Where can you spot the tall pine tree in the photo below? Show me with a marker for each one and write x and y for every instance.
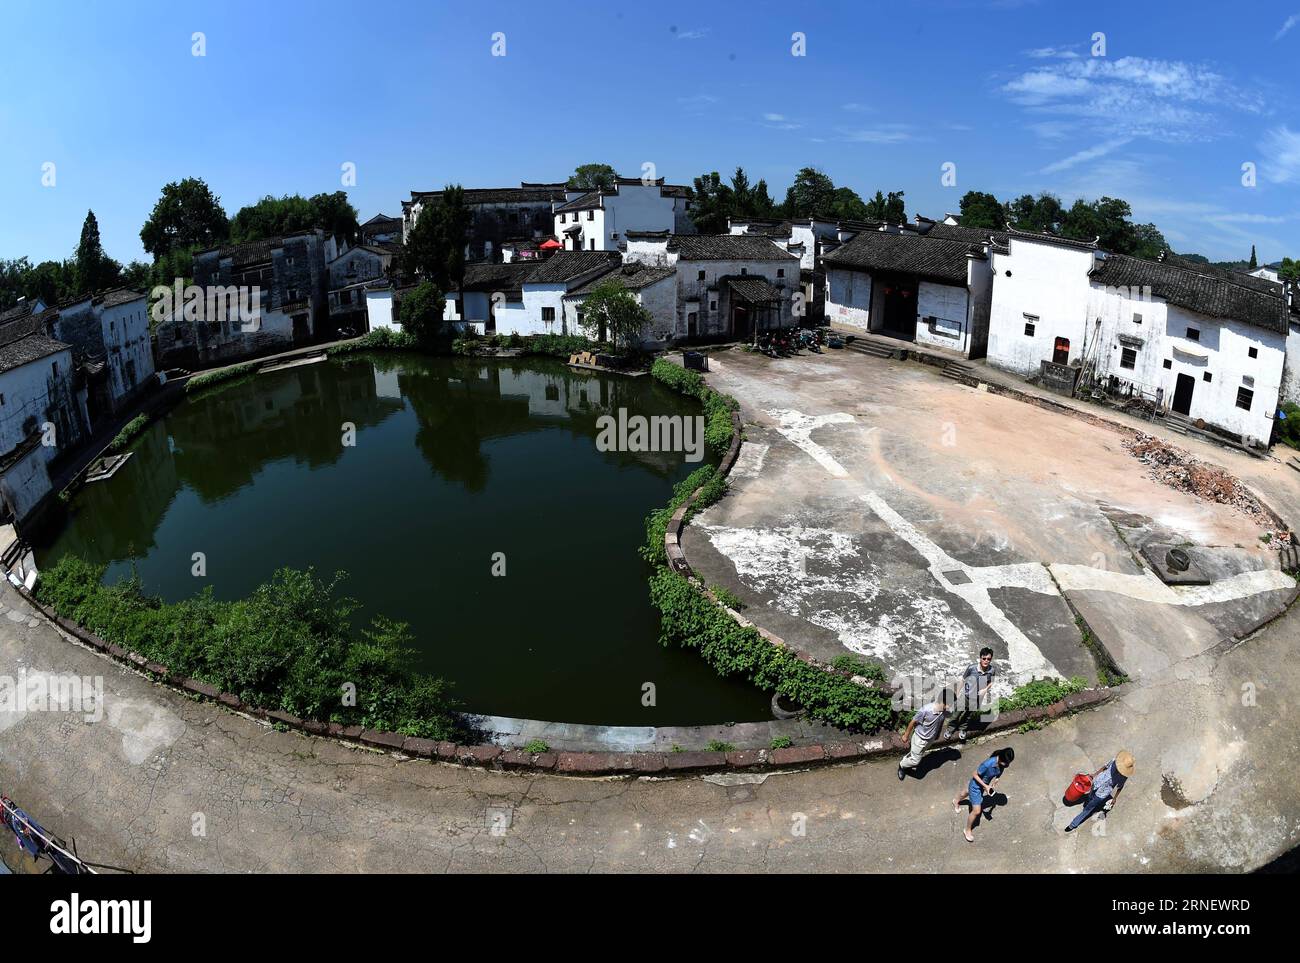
(93, 268)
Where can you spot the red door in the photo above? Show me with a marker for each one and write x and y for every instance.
(1061, 355)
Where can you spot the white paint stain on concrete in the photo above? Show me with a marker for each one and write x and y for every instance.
(146, 727)
(1148, 588)
(1023, 657)
(797, 427)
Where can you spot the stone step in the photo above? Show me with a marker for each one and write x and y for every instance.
(956, 370)
(1289, 557)
(870, 348)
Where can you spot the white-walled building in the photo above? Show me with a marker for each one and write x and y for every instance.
(42, 414)
(599, 220)
(921, 287)
(109, 336)
(654, 288)
(727, 284)
(1207, 344)
(540, 308)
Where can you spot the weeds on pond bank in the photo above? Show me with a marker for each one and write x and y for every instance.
(209, 379)
(128, 434)
(717, 407)
(1040, 693)
(290, 645)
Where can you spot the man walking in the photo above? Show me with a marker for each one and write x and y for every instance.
(924, 729)
(1106, 785)
(975, 700)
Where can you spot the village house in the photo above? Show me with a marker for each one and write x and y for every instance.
(539, 308)
(290, 277)
(919, 284)
(109, 337)
(497, 214)
(599, 220)
(475, 304)
(42, 411)
(382, 229)
(653, 288)
(728, 285)
(1208, 345)
(349, 273)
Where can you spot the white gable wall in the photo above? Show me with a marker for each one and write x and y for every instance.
(1049, 281)
(848, 297)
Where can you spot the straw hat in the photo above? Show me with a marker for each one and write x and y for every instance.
(1124, 763)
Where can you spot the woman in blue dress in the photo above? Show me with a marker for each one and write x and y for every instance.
(981, 784)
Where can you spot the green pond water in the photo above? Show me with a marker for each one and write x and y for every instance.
(454, 460)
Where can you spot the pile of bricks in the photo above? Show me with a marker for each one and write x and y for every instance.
(1176, 468)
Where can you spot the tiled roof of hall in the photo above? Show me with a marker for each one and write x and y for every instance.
(564, 266)
(727, 247)
(523, 194)
(591, 200)
(632, 276)
(255, 252)
(1043, 236)
(1196, 287)
(968, 235)
(26, 348)
(906, 252)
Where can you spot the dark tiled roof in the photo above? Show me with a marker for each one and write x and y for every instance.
(25, 350)
(18, 328)
(1237, 277)
(525, 194)
(727, 247)
(1191, 287)
(906, 252)
(20, 310)
(493, 277)
(755, 290)
(766, 228)
(382, 222)
(648, 235)
(968, 235)
(111, 299)
(564, 266)
(590, 200)
(632, 276)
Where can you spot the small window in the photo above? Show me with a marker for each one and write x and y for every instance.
(1169, 363)
(1244, 397)
(1128, 358)
(1029, 329)
(2, 399)
(1253, 352)
(592, 245)
(744, 270)
(548, 314)
(1137, 318)
(591, 215)
(1193, 334)
(1206, 376)
(701, 275)
(713, 305)
(55, 366)
(780, 272)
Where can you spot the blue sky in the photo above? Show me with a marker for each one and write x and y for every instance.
(1007, 90)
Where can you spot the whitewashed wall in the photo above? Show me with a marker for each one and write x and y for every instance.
(126, 339)
(848, 297)
(1046, 280)
(950, 307)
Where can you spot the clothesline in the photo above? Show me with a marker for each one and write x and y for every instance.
(21, 824)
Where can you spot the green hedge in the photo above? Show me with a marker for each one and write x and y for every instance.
(210, 378)
(128, 434)
(290, 645)
(717, 407)
(380, 339)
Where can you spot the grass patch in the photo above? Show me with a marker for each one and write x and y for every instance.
(717, 745)
(536, 747)
(717, 407)
(210, 379)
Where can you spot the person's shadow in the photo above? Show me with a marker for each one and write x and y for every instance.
(936, 760)
(991, 802)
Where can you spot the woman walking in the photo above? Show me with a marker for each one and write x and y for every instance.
(981, 784)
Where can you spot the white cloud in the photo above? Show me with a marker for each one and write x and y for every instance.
(774, 117)
(1167, 100)
(1091, 153)
(1281, 160)
(855, 108)
(698, 34)
(884, 134)
(1052, 53)
(1290, 22)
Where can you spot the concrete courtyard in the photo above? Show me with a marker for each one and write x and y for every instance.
(881, 509)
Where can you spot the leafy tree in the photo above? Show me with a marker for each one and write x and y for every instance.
(589, 177)
(1150, 243)
(435, 248)
(846, 205)
(761, 203)
(742, 195)
(712, 204)
(421, 311)
(95, 270)
(982, 210)
(276, 216)
(1289, 270)
(13, 281)
(811, 195)
(1034, 214)
(52, 281)
(891, 209)
(611, 312)
(187, 215)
